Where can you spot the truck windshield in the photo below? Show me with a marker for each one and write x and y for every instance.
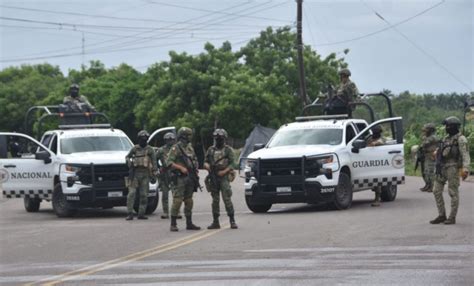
(94, 143)
(306, 137)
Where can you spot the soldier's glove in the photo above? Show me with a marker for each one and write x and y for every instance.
(222, 173)
(465, 174)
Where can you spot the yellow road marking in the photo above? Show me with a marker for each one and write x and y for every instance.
(88, 270)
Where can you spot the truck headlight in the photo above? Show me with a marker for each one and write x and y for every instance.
(250, 169)
(325, 165)
(72, 169)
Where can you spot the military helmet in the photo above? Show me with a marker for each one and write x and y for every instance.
(345, 72)
(452, 120)
(74, 86)
(184, 132)
(377, 129)
(169, 136)
(429, 126)
(220, 133)
(143, 133)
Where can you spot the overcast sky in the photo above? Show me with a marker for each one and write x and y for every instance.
(420, 46)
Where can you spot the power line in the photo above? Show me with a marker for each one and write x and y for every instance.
(98, 16)
(224, 13)
(419, 48)
(205, 23)
(110, 51)
(381, 30)
(137, 34)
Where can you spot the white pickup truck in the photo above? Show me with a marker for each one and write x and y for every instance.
(324, 159)
(72, 168)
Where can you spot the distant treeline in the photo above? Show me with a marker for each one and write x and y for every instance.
(219, 87)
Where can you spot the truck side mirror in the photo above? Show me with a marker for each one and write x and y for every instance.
(43, 155)
(258, 146)
(357, 145)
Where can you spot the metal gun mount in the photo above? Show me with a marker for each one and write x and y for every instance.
(85, 119)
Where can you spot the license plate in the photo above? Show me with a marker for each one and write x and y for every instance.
(115, 194)
(283, 189)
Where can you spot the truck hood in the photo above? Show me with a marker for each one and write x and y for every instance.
(294, 151)
(107, 157)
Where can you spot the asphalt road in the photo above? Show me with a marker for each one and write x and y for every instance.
(293, 244)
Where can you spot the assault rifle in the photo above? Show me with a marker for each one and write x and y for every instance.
(439, 158)
(192, 170)
(420, 160)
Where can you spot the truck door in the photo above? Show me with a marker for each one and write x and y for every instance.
(378, 165)
(26, 168)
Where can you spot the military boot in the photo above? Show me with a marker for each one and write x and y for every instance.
(179, 216)
(215, 223)
(429, 189)
(376, 202)
(190, 225)
(129, 216)
(450, 220)
(142, 217)
(165, 216)
(438, 220)
(425, 187)
(233, 225)
(173, 226)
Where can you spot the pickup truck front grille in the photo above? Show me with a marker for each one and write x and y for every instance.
(287, 171)
(104, 176)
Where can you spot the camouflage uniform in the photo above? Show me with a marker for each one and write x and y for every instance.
(143, 162)
(453, 157)
(164, 178)
(429, 145)
(184, 189)
(220, 159)
(347, 91)
(75, 102)
(371, 142)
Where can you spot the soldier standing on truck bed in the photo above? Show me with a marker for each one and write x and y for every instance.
(452, 161)
(428, 146)
(76, 102)
(218, 162)
(345, 94)
(142, 163)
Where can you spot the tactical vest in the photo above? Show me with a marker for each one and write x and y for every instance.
(220, 156)
(141, 159)
(451, 152)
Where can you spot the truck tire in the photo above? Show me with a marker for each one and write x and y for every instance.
(151, 205)
(32, 205)
(60, 206)
(389, 193)
(257, 208)
(343, 193)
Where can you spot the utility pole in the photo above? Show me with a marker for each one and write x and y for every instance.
(299, 39)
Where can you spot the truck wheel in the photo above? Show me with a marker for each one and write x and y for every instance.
(389, 193)
(151, 205)
(343, 193)
(60, 206)
(32, 205)
(257, 208)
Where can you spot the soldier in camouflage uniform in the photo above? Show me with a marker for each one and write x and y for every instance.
(165, 177)
(76, 101)
(181, 158)
(142, 163)
(218, 161)
(376, 139)
(429, 145)
(452, 160)
(347, 90)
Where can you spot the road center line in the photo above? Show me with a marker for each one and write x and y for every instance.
(71, 275)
